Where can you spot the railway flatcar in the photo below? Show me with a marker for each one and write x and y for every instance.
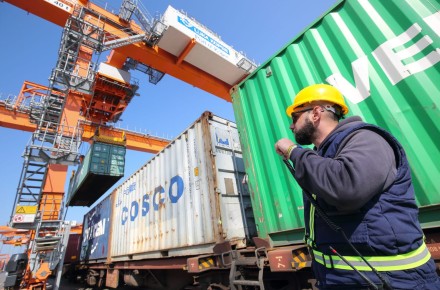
(187, 219)
(188, 201)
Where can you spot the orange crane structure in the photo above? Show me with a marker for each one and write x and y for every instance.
(84, 96)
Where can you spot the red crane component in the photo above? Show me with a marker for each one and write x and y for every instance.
(154, 57)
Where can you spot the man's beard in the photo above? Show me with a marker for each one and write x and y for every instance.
(304, 135)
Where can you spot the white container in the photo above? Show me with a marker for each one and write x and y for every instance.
(186, 198)
(210, 53)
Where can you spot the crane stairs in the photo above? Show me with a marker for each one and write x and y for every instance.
(54, 141)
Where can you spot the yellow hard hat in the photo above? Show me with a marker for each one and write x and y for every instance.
(319, 92)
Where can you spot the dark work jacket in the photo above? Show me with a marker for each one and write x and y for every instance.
(385, 225)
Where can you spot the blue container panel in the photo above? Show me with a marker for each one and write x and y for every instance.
(116, 170)
(100, 154)
(118, 151)
(100, 160)
(98, 168)
(117, 162)
(101, 147)
(96, 232)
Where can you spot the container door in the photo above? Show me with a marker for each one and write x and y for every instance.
(236, 209)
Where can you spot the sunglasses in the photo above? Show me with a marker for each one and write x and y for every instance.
(297, 114)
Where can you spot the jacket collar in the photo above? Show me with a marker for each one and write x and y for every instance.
(344, 124)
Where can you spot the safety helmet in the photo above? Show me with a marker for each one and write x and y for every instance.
(319, 92)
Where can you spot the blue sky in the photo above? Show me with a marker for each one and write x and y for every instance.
(28, 51)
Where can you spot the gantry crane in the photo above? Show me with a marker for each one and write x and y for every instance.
(83, 96)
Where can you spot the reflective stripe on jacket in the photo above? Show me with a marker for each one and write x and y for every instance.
(406, 261)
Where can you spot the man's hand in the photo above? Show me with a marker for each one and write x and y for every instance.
(284, 147)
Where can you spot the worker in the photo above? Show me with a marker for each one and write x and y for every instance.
(358, 175)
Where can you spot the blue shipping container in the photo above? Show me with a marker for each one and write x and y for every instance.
(96, 229)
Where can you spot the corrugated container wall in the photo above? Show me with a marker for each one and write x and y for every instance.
(73, 249)
(186, 198)
(384, 56)
(96, 232)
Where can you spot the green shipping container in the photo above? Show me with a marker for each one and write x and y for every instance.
(385, 58)
(101, 168)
